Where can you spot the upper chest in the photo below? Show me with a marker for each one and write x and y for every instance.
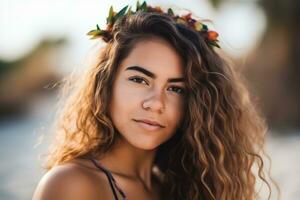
(137, 191)
(110, 183)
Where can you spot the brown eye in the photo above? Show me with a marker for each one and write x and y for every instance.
(138, 80)
(178, 90)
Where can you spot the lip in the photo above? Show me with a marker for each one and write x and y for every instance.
(150, 122)
(148, 127)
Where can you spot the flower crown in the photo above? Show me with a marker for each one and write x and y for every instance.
(209, 35)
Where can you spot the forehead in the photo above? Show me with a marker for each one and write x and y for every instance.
(156, 55)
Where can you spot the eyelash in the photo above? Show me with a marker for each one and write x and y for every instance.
(141, 79)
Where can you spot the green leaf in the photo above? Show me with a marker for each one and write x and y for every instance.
(129, 12)
(144, 6)
(214, 43)
(120, 13)
(110, 15)
(138, 5)
(98, 27)
(204, 27)
(170, 12)
(95, 32)
(95, 37)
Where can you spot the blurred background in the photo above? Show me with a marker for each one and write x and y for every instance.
(43, 41)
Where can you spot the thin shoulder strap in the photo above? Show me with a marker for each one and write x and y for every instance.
(110, 178)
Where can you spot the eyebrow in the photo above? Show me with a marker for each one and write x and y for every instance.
(152, 75)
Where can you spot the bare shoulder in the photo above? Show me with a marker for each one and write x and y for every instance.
(72, 181)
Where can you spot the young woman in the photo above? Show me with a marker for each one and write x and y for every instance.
(160, 116)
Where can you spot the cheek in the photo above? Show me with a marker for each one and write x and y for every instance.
(123, 104)
(124, 100)
(176, 110)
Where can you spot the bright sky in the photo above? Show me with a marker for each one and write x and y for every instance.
(23, 23)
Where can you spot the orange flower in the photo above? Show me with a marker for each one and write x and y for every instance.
(212, 35)
(187, 16)
(158, 9)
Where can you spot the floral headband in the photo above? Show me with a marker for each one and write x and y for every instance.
(209, 35)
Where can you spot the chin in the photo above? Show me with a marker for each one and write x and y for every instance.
(145, 145)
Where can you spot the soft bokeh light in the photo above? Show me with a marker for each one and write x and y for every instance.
(25, 23)
(46, 40)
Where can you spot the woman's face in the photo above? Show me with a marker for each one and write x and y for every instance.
(149, 88)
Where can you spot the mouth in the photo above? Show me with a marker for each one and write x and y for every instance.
(149, 125)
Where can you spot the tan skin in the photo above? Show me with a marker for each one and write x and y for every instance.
(135, 96)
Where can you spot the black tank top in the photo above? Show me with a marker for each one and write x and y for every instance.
(112, 181)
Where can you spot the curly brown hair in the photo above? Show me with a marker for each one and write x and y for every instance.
(212, 155)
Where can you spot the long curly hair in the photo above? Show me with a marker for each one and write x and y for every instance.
(220, 141)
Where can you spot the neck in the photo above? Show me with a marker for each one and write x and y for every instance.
(127, 161)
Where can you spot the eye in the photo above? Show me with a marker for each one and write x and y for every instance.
(138, 79)
(178, 90)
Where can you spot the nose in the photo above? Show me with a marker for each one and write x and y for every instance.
(155, 102)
